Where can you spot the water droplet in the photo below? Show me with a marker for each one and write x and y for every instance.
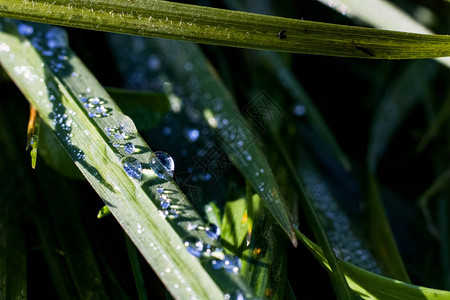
(192, 135)
(94, 100)
(188, 66)
(213, 231)
(132, 167)
(194, 246)
(129, 148)
(56, 38)
(231, 264)
(166, 161)
(299, 110)
(165, 202)
(153, 62)
(4, 47)
(228, 263)
(160, 189)
(140, 228)
(167, 130)
(25, 29)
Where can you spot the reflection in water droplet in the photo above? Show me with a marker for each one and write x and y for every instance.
(132, 167)
(160, 189)
(166, 161)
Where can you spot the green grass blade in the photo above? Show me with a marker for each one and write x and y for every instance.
(441, 118)
(337, 276)
(265, 259)
(136, 268)
(302, 99)
(380, 14)
(372, 286)
(424, 200)
(145, 108)
(380, 234)
(64, 92)
(13, 260)
(217, 110)
(229, 28)
(398, 100)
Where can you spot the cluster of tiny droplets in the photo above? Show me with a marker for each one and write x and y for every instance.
(346, 242)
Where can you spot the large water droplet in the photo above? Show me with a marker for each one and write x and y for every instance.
(166, 161)
(194, 246)
(129, 148)
(132, 167)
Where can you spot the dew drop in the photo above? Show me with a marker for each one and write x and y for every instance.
(56, 38)
(167, 162)
(140, 228)
(129, 148)
(299, 110)
(160, 189)
(231, 264)
(132, 167)
(213, 231)
(192, 135)
(194, 246)
(165, 202)
(25, 29)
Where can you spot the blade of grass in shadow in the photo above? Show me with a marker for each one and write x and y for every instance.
(13, 257)
(94, 131)
(337, 276)
(229, 28)
(209, 104)
(291, 84)
(381, 14)
(13, 260)
(399, 98)
(136, 268)
(372, 286)
(146, 109)
(64, 243)
(343, 234)
(441, 118)
(438, 184)
(71, 241)
(379, 231)
(304, 102)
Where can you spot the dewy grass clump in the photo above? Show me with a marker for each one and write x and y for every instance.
(259, 157)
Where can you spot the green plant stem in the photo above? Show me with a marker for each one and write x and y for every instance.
(228, 28)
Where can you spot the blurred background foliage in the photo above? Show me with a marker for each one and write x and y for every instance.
(388, 122)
